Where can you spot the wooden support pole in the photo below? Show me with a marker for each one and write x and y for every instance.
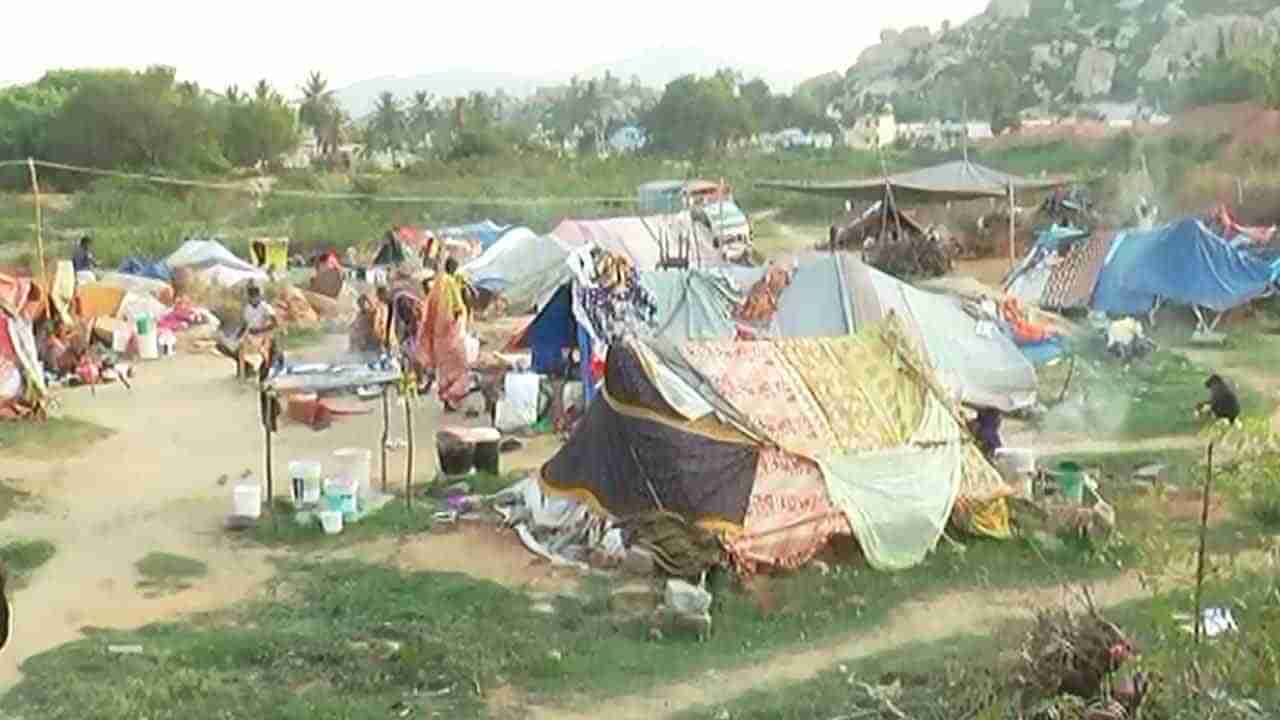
(44, 269)
(1204, 529)
(408, 472)
(265, 404)
(386, 430)
(1013, 230)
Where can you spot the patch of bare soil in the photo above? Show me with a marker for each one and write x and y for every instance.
(480, 550)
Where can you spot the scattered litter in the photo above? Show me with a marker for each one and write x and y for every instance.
(687, 598)
(445, 517)
(124, 649)
(511, 445)
(240, 522)
(222, 479)
(397, 444)
(1217, 621)
(543, 608)
(368, 392)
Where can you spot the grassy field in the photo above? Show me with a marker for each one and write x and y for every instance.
(973, 676)
(351, 640)
(49, 438)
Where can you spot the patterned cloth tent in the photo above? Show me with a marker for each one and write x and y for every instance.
(781, 444)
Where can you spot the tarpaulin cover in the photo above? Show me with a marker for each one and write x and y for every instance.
(486, 232)
(14, 292)
(1184, 263)
(553, 330)
(206, 254)
(523, 267)
(144, 268)
(976, 362)
(621, 459)
(641, 239)
(693, 304)
(952, 181)
(813, 305)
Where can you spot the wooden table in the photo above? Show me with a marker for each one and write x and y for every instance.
(339, 378)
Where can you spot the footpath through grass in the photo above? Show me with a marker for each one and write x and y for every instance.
(354, 640)
(975, 676)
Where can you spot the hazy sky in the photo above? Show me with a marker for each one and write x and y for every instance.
(238, 41)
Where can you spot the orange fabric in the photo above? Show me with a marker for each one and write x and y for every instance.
(1024, 330)
(441, 344)
(97, 301)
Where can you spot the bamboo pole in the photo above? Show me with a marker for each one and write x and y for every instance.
(408, 472)
(44, 270)
(1204, 529)
(386, 431)
(1013, 230)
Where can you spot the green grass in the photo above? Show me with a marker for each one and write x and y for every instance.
(393, 519)
(12, 499)
(23, 557)
(163, 573)
(1152, 397)
(450, 631)
(969, 676)
(55, 437)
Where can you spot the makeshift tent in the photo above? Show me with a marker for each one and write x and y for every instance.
(22, 384)
(1183, 263)
(486, 232)
(523, 267)
(212, 261)
(648, 242)
(1061, 270)
(949, 182)
(791, 442)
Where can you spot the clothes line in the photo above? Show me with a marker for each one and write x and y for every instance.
(247, 188)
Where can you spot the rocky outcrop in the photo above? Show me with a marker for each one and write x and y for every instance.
(1095, 73)
(1187, 46)
(1009, 9)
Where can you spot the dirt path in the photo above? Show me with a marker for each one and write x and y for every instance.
(948, 616)
(154, 487)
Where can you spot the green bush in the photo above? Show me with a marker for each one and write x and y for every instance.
(1252, 479)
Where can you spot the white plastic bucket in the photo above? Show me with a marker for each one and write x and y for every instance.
(351, 468)
(1019, 461)
(331, 521)
(120, 338)
(304, 481)
(247, 500)
(149, 344)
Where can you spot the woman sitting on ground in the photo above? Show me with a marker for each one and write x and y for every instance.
(257, 334)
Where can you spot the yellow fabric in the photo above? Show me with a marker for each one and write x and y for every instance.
(991, 520)
(451, 295)
(64, 290)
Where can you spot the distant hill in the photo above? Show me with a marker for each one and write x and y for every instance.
(653, 68)
(1060, 53)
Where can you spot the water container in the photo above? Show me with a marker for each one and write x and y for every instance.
(304, 481)
(351, 467)
(148, 341)
(1070, 477)
(120, 338)
(331, 521)
(144, 324)
(247, 500)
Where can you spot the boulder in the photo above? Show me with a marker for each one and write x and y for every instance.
(687, 598)
(1009, 9)
(669, 620)
(1201, 40)
(1095, 72)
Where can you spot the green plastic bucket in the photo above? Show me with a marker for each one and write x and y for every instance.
(1070, 477)
(145, 324)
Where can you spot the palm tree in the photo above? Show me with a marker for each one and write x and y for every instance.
(233, 94)
(421, 119)
(320, 112)
(387, 126)
(263, 92)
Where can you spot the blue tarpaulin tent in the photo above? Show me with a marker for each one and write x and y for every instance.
(1183, 263)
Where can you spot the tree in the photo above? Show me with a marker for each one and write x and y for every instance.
(321, 113)
(421, 120)
(256, 130)
(697, 115)
(1265, 68)
(386, 131)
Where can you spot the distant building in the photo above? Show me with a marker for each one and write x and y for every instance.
(869, 131)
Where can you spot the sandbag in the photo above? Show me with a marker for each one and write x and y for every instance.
(295, 309)
(326, 308)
